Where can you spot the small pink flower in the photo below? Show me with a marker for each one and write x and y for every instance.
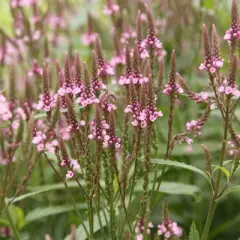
(212, 64)
(89, 38)
(111, 8)
(69, 174)
(221, 89)
(204, 95)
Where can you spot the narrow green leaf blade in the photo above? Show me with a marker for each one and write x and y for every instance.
(181, 165)
(194, 235)
(223, 169)
(39, 213)
(232, 190)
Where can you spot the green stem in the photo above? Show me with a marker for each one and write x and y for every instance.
(99, 217)
(91, 226)
(69, 192)
(219, 177)
(112, 222)
(13, 226)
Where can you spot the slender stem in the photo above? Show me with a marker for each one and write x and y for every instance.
(135, 166)
(90, 214)
(215, 194)
(135, 157)
(111, 208)
(152, 198)
(167, 155)
(13, 226)
(69, 192)
(99, 219)
(4, 185)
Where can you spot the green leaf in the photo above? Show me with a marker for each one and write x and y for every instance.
(226, 162)
(194, 235)
(76, 107)
(232, 190)
(5, 124)
(223, 169)
(51, 156)
(179, 188)
(4, 222)
(51, 187)
(115, 184)
(17, 215)
(40, 115)
(43, 114)
(41, 189)
(181, 165)
(173, 188)
(80, 233)
(224, 227)
(39, 213)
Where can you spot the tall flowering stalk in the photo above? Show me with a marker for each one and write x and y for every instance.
(47, 99)
(226, 107)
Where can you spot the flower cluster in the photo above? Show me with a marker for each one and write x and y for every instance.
(172, 88)
(36, 70)
(96, 84)
(195, 126)
(229, 85)
(233, 33)
(233, 146)
(211, 64)
(89, 38)
(43, 143)
(67, 85)
(141, 117)
(111, 8)
(98, 131)
(132, 71)
(136, 78)
(151, 41)
(4, 160)
(5, 112)
(107, 106)
(5, 232)
(104, 69)
(47, 101)
(139, 230)
(87, 97)
(117, 59)
(233, 90)
(127, 35)
(101, 132)
(212, 59)
(169, 229)
(71, 164)
(23, 3)
(138, 116)
(202, 97)
(56, 21)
